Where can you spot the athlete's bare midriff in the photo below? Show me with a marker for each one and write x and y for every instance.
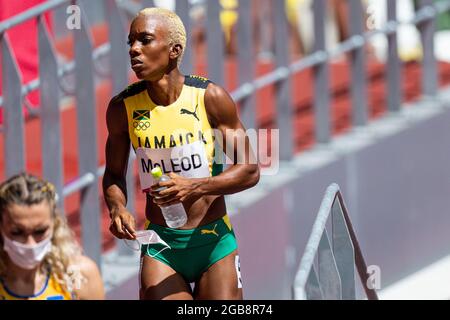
(203, 211)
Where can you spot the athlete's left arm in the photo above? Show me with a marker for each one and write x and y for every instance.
(243, 174)
(92, 286)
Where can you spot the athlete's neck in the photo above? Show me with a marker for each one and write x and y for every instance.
(166, 90)
(22, 281)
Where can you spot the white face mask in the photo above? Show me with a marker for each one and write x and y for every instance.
(24, 255)
(144, 237)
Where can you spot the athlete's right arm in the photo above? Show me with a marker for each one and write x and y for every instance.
(114, 180)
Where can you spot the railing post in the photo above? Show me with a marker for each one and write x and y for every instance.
(215, 42)
(12, 111)
(429, 68)
(336, 266)
(312, 289)
(360, 263)
(120, 66)
(246, 54)
(358, 68)
(265, 29)
(87, 140)
(329, 278)
(394, 88)
(321, 76)
(283, 87)
(343, 252)
(182, 8)
(50, 113)
(119, 58)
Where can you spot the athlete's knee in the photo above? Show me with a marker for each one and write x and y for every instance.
(233, 294)
(161, 292)
(228, 294)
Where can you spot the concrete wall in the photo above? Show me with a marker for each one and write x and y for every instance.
(396, 183)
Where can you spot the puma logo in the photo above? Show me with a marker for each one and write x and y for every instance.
(213, 231)
(185, 111)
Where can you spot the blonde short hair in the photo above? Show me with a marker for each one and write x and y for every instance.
(175, 27)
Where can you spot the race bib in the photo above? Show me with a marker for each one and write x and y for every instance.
(189, 161)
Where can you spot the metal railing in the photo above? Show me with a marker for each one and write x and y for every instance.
(50, 83)
(334, 277)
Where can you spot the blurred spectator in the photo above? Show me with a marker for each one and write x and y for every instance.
(409, 44)
(228, 19)
(442, 36)
(301, 16)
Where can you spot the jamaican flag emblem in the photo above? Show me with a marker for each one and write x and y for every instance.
(143, 115)
(141, 119)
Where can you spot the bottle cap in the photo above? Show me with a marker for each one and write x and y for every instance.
(156, 172)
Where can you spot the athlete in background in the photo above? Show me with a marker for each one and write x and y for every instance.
(39, 258)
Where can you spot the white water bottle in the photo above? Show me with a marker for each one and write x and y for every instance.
(175, 215)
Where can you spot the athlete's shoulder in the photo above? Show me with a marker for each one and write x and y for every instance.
(85, 264)
(197, 81)
(216, 95)
(219, 105)
(116, 114)
(132, 90)
(92, 288)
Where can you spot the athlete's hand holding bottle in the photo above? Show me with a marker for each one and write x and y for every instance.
(173, 189)
(174, 214)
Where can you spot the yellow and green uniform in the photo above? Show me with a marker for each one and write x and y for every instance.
(193, 251)
(51, 291)
(156, 132)
(179, 139)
